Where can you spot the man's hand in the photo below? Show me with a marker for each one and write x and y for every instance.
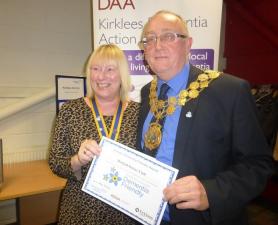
(187, 193)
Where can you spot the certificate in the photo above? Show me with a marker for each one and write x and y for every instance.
(130, 181)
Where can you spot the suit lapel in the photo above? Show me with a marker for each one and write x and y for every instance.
(144, 110)
(185, 121)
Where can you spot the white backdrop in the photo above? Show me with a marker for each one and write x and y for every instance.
(121, 22)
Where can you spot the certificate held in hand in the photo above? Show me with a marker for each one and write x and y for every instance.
(130, 181)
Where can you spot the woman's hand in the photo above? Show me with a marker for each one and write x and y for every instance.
(87, 151)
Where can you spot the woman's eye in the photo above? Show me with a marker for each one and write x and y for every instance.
(111, 69)
(94, 69)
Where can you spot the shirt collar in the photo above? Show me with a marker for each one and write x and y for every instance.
(178, 82)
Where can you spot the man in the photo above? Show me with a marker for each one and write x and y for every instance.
(207, 128)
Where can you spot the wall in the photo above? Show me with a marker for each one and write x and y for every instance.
(38, 39)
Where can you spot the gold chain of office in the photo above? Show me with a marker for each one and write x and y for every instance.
(162, 108)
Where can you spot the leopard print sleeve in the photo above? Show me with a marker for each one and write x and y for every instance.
(61, 152)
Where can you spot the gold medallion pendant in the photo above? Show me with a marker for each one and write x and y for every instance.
(153, 136)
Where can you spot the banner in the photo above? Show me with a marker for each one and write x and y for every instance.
(121, 22)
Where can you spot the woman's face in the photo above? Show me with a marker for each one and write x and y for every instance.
(105, 81)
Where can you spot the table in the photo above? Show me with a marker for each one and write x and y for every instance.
(36, 189)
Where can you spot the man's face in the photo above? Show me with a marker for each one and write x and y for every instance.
(166, 56)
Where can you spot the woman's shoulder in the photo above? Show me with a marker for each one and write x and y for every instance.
(73, 105)
(134, 105)
(132, 108)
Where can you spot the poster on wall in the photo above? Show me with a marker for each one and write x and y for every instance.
(68, 88)
(121, 22)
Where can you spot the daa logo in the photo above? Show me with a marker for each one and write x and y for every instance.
(109, 4)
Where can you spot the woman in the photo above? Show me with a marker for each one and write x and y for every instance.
(78, 132)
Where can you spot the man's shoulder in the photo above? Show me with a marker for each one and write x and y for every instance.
(224, 78)
(231, 82)
(146, 87)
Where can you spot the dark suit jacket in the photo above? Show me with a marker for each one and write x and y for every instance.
(223, 145)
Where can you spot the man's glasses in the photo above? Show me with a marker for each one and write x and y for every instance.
(164, 38)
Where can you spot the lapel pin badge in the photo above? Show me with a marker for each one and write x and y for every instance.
(188, 114)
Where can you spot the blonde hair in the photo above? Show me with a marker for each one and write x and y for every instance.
(107, 54)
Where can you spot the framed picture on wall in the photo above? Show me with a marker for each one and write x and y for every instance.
(68, 88)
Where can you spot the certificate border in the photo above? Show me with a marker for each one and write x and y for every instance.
(173, 174)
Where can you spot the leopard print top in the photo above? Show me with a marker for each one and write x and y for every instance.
(74, 124)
